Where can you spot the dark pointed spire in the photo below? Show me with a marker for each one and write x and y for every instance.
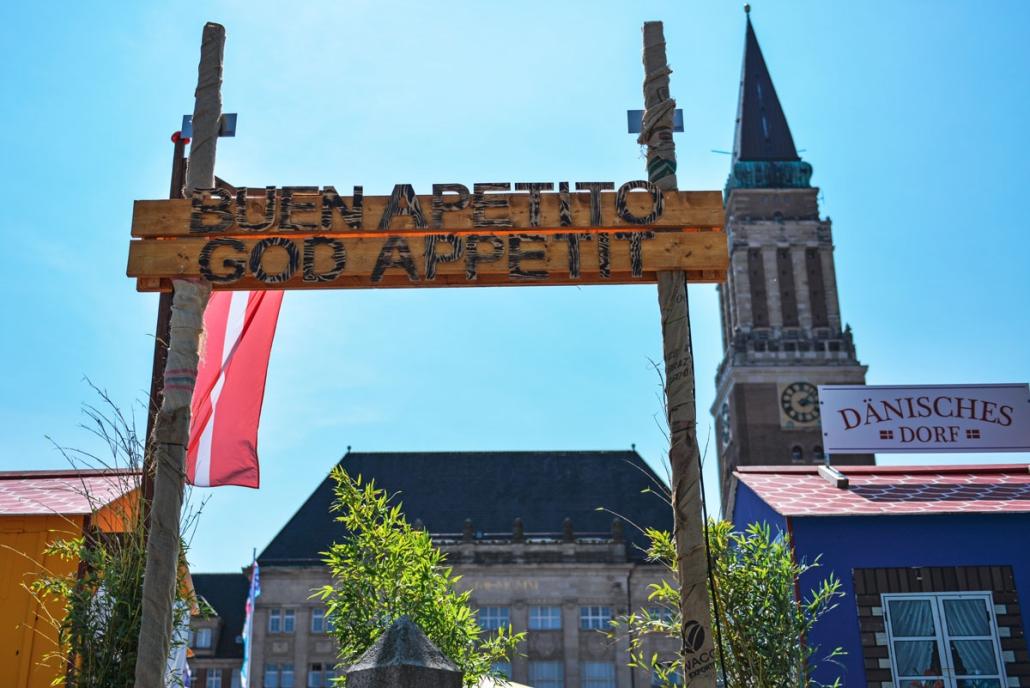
(764, 155)
(762, 131)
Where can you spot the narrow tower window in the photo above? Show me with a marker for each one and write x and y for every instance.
(756, 276)
(788, 297)
(816, 289)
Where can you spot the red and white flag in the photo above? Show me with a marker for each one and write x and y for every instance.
(239, 327)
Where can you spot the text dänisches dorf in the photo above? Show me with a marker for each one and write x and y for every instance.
(872, 412)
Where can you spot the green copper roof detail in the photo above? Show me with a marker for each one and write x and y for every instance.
(765, 174)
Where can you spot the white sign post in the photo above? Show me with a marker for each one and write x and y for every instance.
(925, 418)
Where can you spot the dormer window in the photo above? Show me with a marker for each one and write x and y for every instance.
(200, 638)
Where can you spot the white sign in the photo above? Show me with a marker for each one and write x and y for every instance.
(925, 418)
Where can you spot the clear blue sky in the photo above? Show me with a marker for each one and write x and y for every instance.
(914, 116)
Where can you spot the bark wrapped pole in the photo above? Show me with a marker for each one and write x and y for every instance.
(688, 523)
(171, 425)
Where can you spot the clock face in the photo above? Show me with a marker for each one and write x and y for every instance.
(724, 424)
(800, 402)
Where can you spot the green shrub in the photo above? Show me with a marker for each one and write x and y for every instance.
(384, 569)
(762, 623)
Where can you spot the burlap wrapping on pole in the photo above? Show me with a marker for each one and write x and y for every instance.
(692, 564)
(171, 426)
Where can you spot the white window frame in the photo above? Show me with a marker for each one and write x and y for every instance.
(502, 668)
(284, 671)
(587, 681)
(557, 681)
(492, 618)
(276, 616)
(201, 639)
(289, 620)
(675, 678)
(213, 678)
(273, 671)
(318, 614)
(596, 617)
(320, 677)
(660, 613)
(541, 618)
(941, 635)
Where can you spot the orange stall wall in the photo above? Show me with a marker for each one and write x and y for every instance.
(26, 634)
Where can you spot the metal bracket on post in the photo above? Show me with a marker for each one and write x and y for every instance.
(226, 125)
(635, 121)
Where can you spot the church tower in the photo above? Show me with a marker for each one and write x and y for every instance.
(781, 325)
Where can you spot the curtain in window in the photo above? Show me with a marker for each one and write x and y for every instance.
(917, 658)
(973, 657)
(970, 617)
(967, 617)
(911, 619)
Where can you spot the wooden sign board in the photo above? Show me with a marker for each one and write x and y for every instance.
(314, 238)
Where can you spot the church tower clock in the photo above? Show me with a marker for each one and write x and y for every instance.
(782, 332)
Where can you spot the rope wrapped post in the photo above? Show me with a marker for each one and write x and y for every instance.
(171, 425)
(684, 457)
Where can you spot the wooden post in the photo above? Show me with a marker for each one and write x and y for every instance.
(171, 426)
(161, 335)
(688, 524)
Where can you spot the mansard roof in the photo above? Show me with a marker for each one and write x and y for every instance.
(762, 133)
(226, 594)
(492, 489)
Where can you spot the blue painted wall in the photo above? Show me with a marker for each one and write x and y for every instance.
(749, 508)
(850, 542)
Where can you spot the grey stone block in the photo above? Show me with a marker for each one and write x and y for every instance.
(403, 657)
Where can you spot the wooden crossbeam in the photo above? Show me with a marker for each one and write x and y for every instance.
(396, 260)
(313, 238)
(319, 211)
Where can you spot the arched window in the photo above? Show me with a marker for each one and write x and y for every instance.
(817, 452)
(796, 454)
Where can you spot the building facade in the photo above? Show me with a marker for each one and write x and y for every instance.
(933, 562)
(522, 529)
(782, 331)
(216, 640)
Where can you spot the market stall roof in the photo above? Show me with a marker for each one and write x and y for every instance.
(68, 492)
(893, 490)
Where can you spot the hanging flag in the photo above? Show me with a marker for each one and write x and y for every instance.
(238, 330)
(248, 623)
